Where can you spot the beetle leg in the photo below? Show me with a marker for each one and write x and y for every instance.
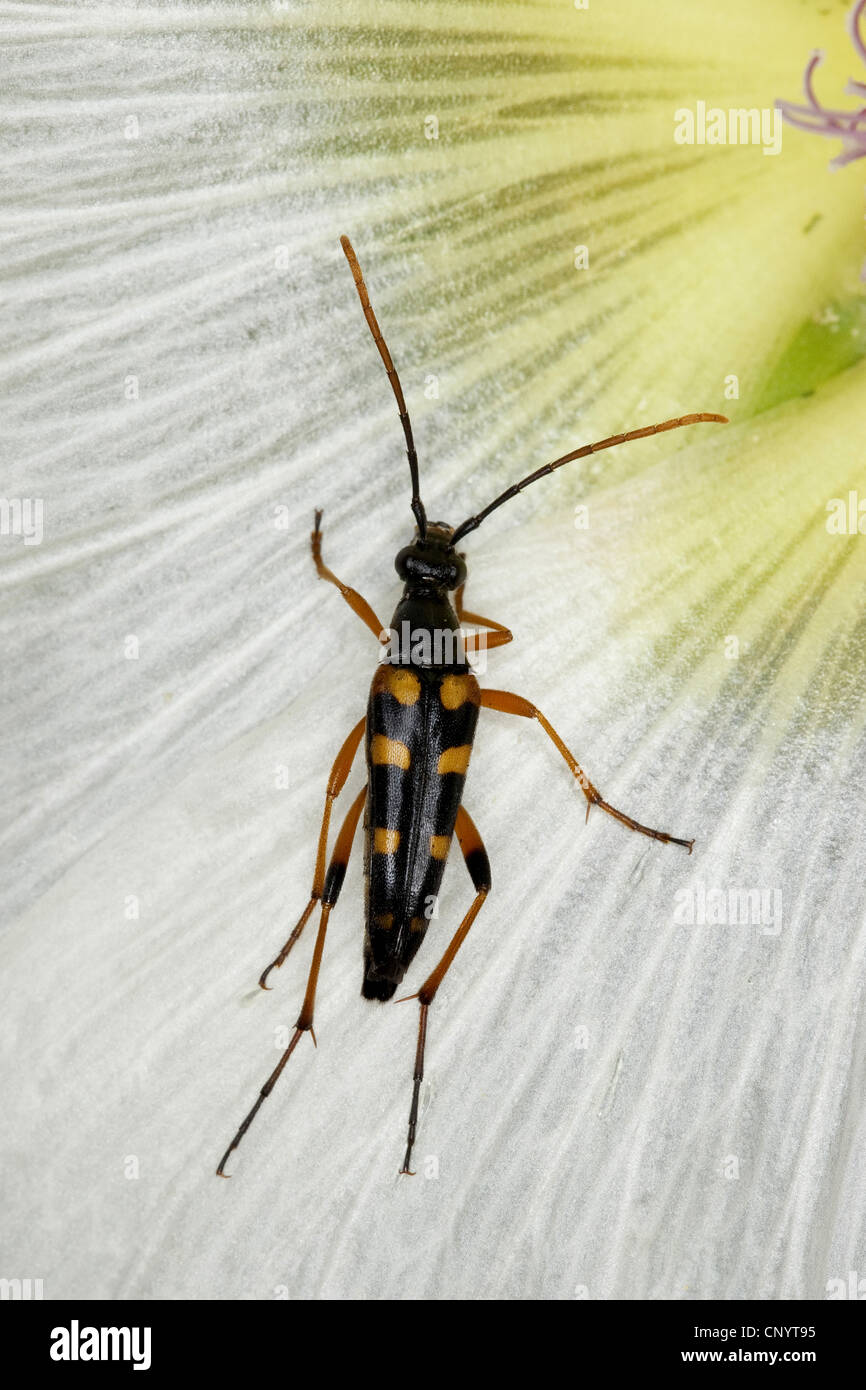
(478, 865)
(304, 1024)
(497, 634)
(336, 781)
(507, 703)
(358, 604)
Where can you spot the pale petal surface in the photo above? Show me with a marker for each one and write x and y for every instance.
(619, 1104)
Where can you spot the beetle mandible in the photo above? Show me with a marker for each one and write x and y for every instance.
(418, 733)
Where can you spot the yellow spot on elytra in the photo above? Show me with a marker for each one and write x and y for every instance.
(385, 841)
(439, 845)
(455, 759)
(418, 924)
(384, 921)
(403, 685)
(456, 690)
(389, 750)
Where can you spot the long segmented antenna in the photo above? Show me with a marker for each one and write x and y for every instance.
(474, 521)
(417, 504)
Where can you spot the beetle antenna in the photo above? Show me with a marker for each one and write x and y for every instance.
(417, 504)
(474, 521)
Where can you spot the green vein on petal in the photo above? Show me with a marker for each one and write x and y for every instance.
(731, 540)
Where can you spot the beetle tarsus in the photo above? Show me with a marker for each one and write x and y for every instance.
(417, 1078)
(296, 932)
(262, 1096)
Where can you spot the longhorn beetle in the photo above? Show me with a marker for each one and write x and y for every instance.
(418, 731)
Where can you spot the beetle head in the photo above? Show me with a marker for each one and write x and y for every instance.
(432, 560)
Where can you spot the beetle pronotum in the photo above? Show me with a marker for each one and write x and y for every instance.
(418, 731)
